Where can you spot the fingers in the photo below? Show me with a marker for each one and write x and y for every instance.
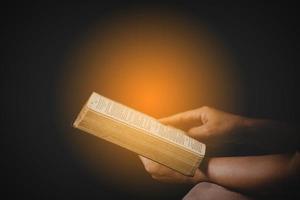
(201, 133)
(156, 169)
(186, 120)
(152, 167)
(144, 160)
(165, 174)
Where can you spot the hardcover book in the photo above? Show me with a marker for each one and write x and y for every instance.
(140, 133)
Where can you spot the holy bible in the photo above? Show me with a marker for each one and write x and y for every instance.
(140, 133)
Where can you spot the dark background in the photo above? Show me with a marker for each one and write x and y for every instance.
(37, 37)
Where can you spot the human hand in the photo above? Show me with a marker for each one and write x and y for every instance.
(205, 124)
(165, 174)
(208, 125)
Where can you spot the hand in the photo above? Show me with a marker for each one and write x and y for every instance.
(227, 134)
(165, 174)
(205, 124)
(208, 125)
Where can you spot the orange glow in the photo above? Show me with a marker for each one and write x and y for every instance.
(158, 64)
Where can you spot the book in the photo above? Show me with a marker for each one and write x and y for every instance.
(140, 133)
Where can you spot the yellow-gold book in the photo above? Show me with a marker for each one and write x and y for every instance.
(140, 133)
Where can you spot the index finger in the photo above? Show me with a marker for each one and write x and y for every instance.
(184, 120)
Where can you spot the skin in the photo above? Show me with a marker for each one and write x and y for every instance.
(258, 173)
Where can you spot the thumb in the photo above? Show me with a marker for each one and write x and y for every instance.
(200, 133)
(184, 120)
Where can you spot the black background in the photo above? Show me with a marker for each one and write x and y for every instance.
(35, 41)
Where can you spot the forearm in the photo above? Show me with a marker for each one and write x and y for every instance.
(253, 173)
(270, 136)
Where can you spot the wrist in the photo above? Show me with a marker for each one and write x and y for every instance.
(199, 177)
(247, 124)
